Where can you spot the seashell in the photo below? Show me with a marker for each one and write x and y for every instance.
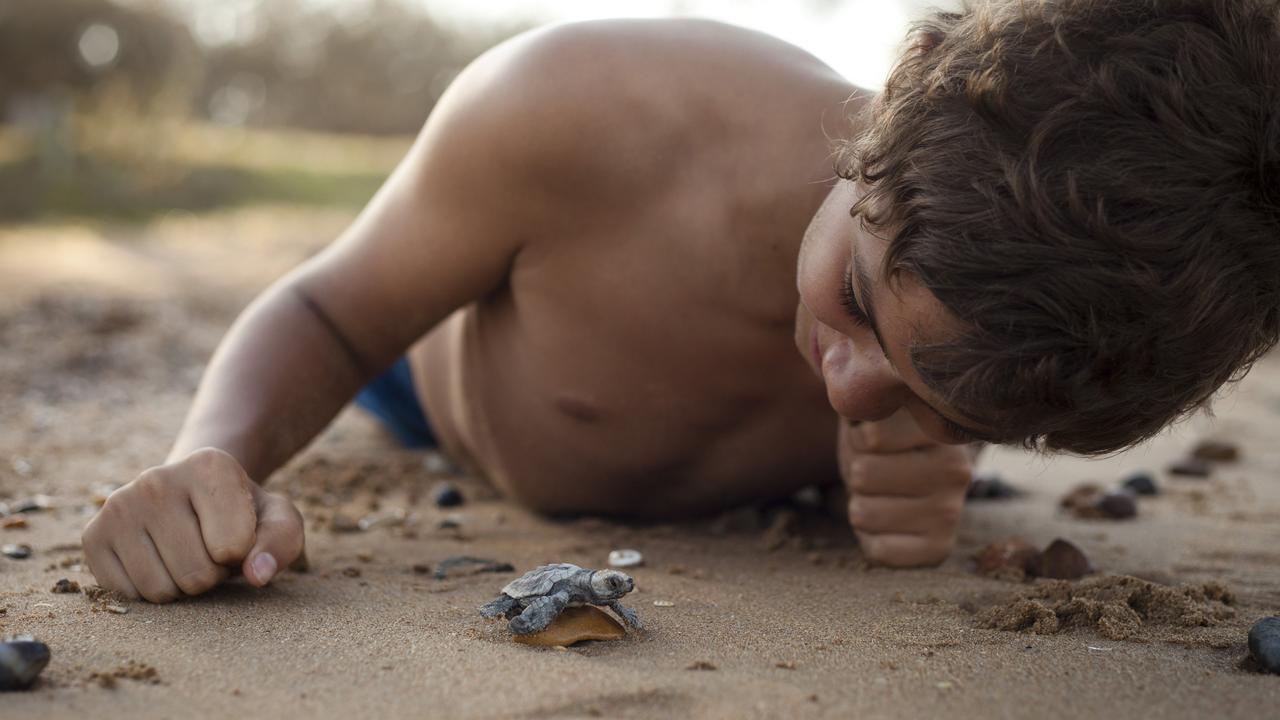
(1011, 554)
(21, 660)
(576, 624)
(625, 558)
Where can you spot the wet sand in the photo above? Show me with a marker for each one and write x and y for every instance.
(105, 332)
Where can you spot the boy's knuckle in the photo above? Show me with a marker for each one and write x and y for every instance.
(198, 581)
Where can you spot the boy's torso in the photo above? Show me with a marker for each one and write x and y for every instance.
(641, 357)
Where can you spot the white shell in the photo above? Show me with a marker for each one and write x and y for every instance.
(625, 558)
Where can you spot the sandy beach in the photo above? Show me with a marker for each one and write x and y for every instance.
(105, 331)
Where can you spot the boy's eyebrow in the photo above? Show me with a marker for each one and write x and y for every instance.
(863, 296)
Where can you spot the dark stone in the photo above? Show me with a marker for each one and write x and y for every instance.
(66, 586)
(21, 660)
(1264, 644)
(1062, 560)
(1216, 451)
(1141, 483)
(1191, 467)
(446, 495)
(473, 566)
(20, 551)
(1118, 505)
(991, 487)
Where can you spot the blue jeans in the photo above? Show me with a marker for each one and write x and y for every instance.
(390, 397)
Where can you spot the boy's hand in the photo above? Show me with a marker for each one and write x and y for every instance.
(178, 528)
(906, 492)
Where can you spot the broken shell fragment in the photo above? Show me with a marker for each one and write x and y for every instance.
(575, 625)
(625, 558)
(1062, 560)
(1264, 643)
(1010, 555)
(21, 660)
(19, 551)
(1216, 451)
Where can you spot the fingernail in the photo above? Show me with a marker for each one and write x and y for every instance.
(264, 566)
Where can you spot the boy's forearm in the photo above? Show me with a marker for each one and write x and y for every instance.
(276, 380)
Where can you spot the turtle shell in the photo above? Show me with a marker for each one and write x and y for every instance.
(538, 581)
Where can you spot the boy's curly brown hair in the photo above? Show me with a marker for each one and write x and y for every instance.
(1093, 186)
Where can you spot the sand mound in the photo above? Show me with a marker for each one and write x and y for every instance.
(1119, 607)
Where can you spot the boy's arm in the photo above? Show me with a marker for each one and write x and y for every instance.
(442, 232)
(905, 492)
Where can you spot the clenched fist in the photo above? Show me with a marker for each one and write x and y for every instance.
(905, 491)
(178, 529)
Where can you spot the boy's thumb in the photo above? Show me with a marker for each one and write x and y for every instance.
(278, 541)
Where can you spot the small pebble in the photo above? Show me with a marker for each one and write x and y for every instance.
(21, 660)
(19, 551)
(1141, 483)
(1191, 467)
(1119, 505)
(446, 495)
(1062, 560)
(343, 523)
(16, 522)
(1264, 644)
(700, 665)
(625, 558)
(421, 569)
(663, 603)
(66, 586)
(452, 522)
(1216, 451)
(991, 487)
(117, 609)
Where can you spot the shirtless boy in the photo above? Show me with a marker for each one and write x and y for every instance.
(626, 278)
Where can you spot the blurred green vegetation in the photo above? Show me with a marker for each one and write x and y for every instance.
(124, 109)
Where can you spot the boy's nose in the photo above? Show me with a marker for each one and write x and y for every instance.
(861, 386)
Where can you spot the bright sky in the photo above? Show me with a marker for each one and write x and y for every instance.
(859, 38)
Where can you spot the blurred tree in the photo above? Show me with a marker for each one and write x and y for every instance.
(376, 69)
(50, 47)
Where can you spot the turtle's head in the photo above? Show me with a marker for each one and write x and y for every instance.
(611, 584)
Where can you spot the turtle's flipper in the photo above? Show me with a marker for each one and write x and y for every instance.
(628, 615)
(539, 614)
(501, 605)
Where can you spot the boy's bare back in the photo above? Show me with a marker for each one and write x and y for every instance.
(640, 359)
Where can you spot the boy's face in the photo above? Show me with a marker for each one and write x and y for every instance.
(859, 342)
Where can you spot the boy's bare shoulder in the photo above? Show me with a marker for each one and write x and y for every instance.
(630, 97)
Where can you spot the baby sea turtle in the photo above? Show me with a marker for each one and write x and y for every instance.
(532, 601)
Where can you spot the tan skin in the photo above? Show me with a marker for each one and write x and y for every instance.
(590, 256)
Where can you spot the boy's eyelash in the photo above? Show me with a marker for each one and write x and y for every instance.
(850, 301)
